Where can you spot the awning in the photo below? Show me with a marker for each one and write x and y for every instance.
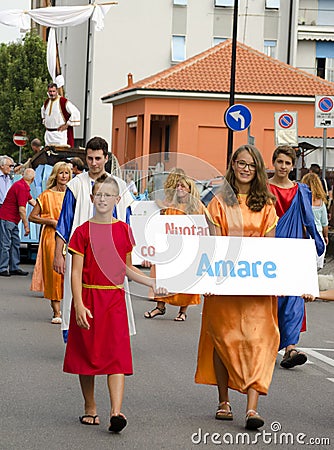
(315, 33)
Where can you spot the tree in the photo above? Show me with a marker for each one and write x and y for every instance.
(24, 78)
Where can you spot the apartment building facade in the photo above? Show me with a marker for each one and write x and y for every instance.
(147, 36)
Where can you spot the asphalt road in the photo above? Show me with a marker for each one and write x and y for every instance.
(40, 404)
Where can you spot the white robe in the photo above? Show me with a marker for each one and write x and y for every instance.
(81, 187)
(52, 117)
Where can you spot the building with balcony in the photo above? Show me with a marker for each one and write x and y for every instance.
(148, 36)
(315, 37)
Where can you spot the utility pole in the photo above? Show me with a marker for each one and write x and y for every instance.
(232, 82)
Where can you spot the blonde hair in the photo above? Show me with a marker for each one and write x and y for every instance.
(171, 182)
(313, 181)
(52, 180)
(194, 204)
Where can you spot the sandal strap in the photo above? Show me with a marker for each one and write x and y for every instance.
(224, 410)
(251, 411)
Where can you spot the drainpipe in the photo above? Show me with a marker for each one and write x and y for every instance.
(87, 80)
(288, 56)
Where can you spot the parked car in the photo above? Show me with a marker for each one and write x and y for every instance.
(209, 188)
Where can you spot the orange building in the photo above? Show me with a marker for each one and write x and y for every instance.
(181, 110)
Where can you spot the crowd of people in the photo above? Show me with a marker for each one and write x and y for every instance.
(84, 261)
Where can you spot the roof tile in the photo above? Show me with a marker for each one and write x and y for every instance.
(256, 73)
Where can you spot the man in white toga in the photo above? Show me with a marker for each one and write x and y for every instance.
(77, 208)
(59, 116)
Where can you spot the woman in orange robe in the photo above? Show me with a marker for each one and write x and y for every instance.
(186, 201)
(46, 212)
(239, 336)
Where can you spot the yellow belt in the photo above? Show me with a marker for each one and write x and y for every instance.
(93, 286)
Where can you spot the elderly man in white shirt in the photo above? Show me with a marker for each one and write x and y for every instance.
(6, 166)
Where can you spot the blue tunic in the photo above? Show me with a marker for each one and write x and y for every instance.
(296, 221)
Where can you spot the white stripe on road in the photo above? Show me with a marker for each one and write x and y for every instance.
(317, 355)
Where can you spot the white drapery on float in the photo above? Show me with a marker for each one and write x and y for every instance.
(55, 17)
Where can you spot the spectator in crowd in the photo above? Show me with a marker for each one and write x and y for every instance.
(6, 166)
(315, 168)
(131, 185)
(46, 212)
(12, 211)
(59, 116)
(78, 166)
(319, 202)
(36, 146)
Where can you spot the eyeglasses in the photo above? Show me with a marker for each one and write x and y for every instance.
(103, 194)
(242, 165)
(10, 165)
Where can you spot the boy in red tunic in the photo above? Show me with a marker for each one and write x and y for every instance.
(98, 339)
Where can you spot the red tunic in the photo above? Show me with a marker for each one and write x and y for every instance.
(284, 197)
(104, 349)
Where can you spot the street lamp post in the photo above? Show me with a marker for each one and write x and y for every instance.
(233, 70)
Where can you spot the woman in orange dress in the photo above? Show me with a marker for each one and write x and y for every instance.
(186, 200)
(239, 336)
(46, 212)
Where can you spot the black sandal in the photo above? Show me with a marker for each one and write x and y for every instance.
(297, 359)
(148, 314)
(180, 318)
(117, 423)
(89, 416)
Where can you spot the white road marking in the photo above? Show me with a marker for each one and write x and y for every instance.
(315, 354)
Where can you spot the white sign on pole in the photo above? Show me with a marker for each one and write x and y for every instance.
(145, 228)
(324, 112)
(238, 266)
(286, 128)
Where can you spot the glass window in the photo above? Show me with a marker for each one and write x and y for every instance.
(178, 48)
(180, 2)
(325, 12)
(270, 48)
(272, 4)
(224, 2)
(329, 74)
(218, 40)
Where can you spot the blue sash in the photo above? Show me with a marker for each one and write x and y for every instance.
(297, 222)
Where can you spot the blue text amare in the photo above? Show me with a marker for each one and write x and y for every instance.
(242, 269)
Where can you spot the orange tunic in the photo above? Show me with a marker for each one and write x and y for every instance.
(44, 277)
(243, 330)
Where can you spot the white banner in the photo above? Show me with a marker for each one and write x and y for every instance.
(200, 264)
(145, 228)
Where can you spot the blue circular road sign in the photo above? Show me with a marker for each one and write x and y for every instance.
(285, 120)
(238, 117)
(325, 104)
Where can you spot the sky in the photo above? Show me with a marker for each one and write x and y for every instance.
(10, 34)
